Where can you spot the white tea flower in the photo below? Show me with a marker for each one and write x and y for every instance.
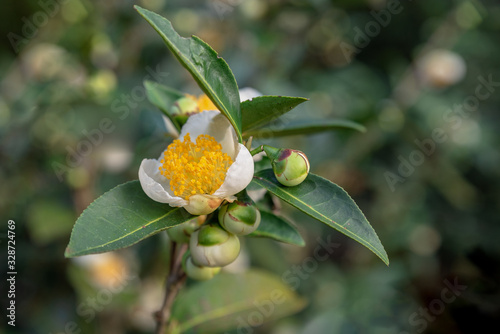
(200, 169)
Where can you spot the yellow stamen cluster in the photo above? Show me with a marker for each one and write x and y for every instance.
(204, 103)
(195, 168)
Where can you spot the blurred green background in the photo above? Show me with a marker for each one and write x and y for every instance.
(417, 67)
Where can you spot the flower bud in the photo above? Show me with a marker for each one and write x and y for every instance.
(290, 167)
(212, 246)
(202, 204)
(182, 232)
(183, 108)
(240, 217)
(196, 272)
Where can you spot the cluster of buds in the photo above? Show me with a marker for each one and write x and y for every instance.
(216, 244)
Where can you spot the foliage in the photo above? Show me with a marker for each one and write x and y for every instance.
(125, 215)
(87, 63)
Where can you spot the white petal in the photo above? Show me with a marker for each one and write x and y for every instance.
(170, 127)
(238, 175)
(248, 93)
(258, 157)
(214, 124)
(155, 185)
(198, 124)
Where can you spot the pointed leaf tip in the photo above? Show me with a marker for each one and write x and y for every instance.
(210, 71)
(330, 204)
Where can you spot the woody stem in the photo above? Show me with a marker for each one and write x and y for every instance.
(175, 280)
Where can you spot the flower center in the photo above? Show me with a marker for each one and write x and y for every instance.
(203, 102)
(195, 168)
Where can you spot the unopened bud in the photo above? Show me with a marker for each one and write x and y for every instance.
(182, 232)
(183, 108)
(240, 217)
(290, 167)
(212, 246)
(202, 204)
(197, 272)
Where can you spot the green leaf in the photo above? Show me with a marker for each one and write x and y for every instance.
(328, 203)
(277, 228)
(228, 299)
(304, 127)
(263, 109)
(120, 218)
(163, 98)
(211, 72)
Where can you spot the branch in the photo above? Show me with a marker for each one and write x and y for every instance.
(175, 281)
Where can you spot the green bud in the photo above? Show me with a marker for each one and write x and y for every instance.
(183, 108)
(212, 246)
(196, 272)
(182, 232)
(290, 167)
(240, 217)
(202, 204)
(185, 105)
